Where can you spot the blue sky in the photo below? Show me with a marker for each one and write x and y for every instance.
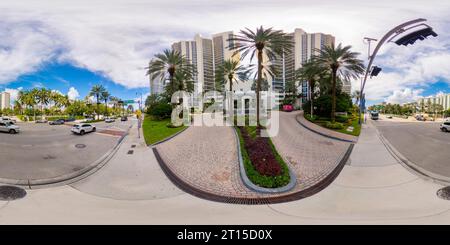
(71, 45)
(63, 76)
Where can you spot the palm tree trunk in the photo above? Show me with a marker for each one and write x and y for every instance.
(98, 114)
(231, 103)
(258, 88)
(106, 107)
(311, 97)
(333, 95)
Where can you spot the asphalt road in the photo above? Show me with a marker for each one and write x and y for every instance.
(422, 143)
(42, 151)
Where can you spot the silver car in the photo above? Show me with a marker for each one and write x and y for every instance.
(9, 127)
(83, 128)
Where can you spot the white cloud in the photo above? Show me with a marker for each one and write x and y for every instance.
(73, 93)
(13, 92)
(404, 96)
(117, 38)
(440, 93)
(57, 91)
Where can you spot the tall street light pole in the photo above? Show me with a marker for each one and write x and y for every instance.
(410, 38)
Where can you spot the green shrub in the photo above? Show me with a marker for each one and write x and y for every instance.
(310, 118)
(161, 111)
(342, 119)
(336, 125)
(323, 104)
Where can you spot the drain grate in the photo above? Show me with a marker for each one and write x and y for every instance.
(130, 152)
(80, 146)
(444, 193)
(9, 193)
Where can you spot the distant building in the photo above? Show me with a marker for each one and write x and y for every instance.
(443, 100)
(5, 100)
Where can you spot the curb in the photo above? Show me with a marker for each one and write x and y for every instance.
(168, 138)
(249, 184)
(411, 166)
(255, 201)
(70, 177)
(323, 134)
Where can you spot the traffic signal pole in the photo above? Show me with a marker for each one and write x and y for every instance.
(395, 31)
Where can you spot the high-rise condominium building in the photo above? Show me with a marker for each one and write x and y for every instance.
(200, 53)
(206, 55)
(305, 46)
(443, 100)
(5, 100)
(223, 51)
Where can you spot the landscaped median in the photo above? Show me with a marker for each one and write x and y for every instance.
(263, 165)
(158, 130)
(344, 124)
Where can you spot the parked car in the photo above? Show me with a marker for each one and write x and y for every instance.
(70, 119)
(89, 119)
(445, 127)
(9, 127)
(420, 118)
(124, 118)
(57, 122)
(288, 108)
(41, 121)
(109, 120)
(8, 119)
(83, 128)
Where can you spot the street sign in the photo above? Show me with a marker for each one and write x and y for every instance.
(126, 102)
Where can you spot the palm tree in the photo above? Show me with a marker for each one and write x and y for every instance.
(115, 101)
(231, 71)
(183, 81)
(311, 72)
(167, 63)
(263, 42)
(97, 91)
(357, 95)
(343, 64)
(42, 97)
(105, 96)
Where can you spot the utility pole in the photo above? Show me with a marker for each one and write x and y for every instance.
(367, 40)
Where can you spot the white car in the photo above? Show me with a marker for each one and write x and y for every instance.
(109, 120)
(83, 128)
(9, 127)
(445, 126)
(8, 120)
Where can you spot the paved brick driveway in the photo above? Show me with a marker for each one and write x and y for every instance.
(311, 156)
(206, 157)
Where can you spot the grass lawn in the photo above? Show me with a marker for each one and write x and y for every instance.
(157, 130)
(321, 121)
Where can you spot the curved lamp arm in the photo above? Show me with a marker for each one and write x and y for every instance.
(395, 30)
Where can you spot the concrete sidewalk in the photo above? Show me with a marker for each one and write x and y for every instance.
(373, 188)
(368, 191)
(132, 174)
